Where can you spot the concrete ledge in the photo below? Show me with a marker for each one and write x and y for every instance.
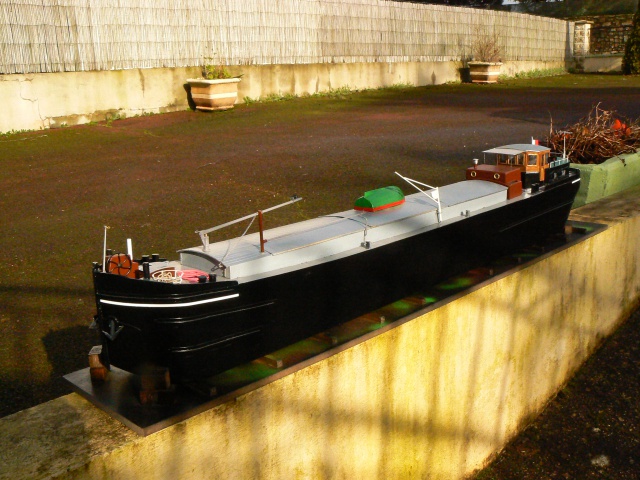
(602, 63)
(435, 397)
(48, 100)
(610, 177)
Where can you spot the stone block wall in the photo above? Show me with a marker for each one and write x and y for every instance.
(609, 33)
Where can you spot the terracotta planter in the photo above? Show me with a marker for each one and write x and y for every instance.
(220, 94)
(484, 72)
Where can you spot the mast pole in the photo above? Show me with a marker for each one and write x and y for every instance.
(204, 234)
(261, 227)
(435, 196)
(104, 250)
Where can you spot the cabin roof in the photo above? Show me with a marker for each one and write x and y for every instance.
(518, 148)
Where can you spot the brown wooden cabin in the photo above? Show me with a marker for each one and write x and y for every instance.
(503, 174)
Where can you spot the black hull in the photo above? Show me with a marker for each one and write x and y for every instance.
(230, 323)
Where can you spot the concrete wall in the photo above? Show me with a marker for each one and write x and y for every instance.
(602, 63)
(47, 100)
(435, 397)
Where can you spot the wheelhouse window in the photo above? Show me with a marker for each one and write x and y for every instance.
(505, 159)
(532, 159)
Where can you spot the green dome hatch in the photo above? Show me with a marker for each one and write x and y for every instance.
(379, 199)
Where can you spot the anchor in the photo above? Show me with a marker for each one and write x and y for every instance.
(114, 328)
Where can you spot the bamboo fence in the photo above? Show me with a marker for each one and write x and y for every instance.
(83, 35)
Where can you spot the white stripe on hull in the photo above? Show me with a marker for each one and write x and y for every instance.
(168, 305)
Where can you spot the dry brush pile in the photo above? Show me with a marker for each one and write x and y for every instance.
(601, 135)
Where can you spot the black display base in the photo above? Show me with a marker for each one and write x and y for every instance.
(119, 394)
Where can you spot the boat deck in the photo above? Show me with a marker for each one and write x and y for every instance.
(319, 238)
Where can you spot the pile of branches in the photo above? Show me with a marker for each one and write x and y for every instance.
(601, 135)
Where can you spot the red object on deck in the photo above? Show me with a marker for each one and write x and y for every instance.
(381, 207)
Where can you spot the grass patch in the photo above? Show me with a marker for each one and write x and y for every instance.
(335, 93)
(537, 73)
(12, 133)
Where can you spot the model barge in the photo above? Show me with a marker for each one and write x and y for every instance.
(225, 303)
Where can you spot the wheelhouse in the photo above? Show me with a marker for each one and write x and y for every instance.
(535, 162)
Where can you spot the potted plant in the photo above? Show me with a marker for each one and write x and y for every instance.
(216, 90)
(486, 53)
